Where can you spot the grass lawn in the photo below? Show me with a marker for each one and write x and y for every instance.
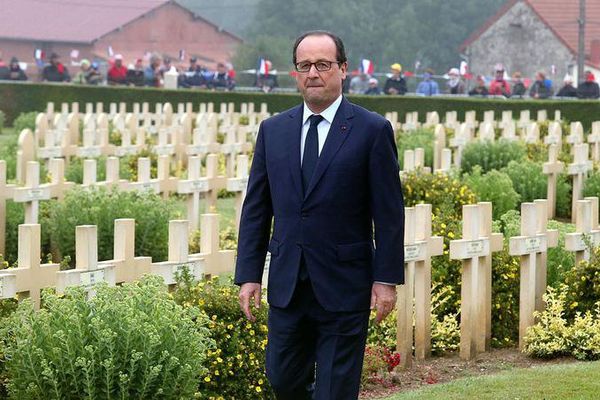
(571, 381)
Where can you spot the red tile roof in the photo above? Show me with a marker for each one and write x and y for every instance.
(73, 21)
(560, 16)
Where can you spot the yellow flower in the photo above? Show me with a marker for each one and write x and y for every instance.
(207, 379)
(258, 389)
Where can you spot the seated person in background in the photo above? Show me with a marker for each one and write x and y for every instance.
(455, 84)
(373, 87)
(15, 73)
(588, 89)
(87, 75)
(117, 74)
(3, 69)
(499, 86)
(221, 79)
(359, 84)
(135, 74)
(480, 89)
(428, 86)
(266, 81)
(194, 76)
(568, 90)
(519, 88)
(55, 71)
(395, 84)
(540, 88)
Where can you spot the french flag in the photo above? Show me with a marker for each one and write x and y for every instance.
(366, 66)
(263, 67)
(38, 54)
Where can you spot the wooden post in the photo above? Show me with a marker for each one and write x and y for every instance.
(193, 186)
(531, 246)
(475, 250)
(144, 182)
(87, 270)
(25, 154)
(128, 267)
(552, 168)
(419, 247)
(579, 169)
(408, 164)
(438, 146)
(32, 193)
(585, 219)
(216, 261)
(166, 182)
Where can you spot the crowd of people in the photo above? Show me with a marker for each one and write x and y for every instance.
(135, 74)
(195, 75)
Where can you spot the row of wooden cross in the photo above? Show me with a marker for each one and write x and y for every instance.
(30, 277)
(475, 250)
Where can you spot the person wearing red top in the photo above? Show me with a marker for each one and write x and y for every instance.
(117, 74)
(499, 86)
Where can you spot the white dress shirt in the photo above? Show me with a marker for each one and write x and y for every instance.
(323, 128)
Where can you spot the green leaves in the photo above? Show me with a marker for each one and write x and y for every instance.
(130, 342)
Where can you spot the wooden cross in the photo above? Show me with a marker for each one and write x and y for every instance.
(557, 116)
(128, 267)
(58, 185)
(507, 118)
(471, 119)
(238, 185)
(532, 247)
(438, 146)
(6, 192)
(542, 115)
(446, 162)
(412, 121)
(144, 182)
(112, 175)
(194, 186)
(30, 277)
(419, 247)
(178, 255)
(489, 118)
(202, 140)
(25, 154)
(586, 223)
(89, 173)
(432, 118)
(475, 250)
(50, 149)
(32, 193)
(167, 183)
(594, 140)
(451, 120)
(216, 262)
(88, 271)
(41, 128)
(532, 133)
(461, 137)
(579, 169)
(486, 132)
(50, 113)
(164, 146)
(524, 119)
(576, 136)
(554, 134)
(131, 130)
(552, 168)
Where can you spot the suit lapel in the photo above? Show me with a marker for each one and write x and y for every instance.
(338, 133)
(294, 148)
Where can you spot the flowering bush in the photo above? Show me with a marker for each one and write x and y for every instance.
(377, 365)
(582, 290)
(235, 365)
(129, 342)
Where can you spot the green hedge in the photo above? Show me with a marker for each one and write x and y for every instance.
(16, 98)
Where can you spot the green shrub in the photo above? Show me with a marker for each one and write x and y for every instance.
(2, 120)
(74, 171)
(591, 186)
(100, 207)
(583, 285)
(15, 215)
(25, 120)
(8, 153)
(236, 368)
(421, 138)
(491, 155)
(443, 192)
(129, 342)
(528, 179)
(548, 337)
(494, 186)
(505, 298)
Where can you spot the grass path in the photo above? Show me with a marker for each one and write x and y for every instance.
(570, 381)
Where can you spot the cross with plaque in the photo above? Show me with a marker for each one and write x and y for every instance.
(471, 120)
(144, 182)
(194, 186)
(552, 168)
(167, 183)
(128, 267)
(554, 134)
(532, 247)
(461, 137)
(507, 118)
(489, 118)
(88, 271)
(32, 193)
(419, 247)
(202, 140)
(432, 119)
(576, 136)
(451, 120)
(129, 132)
(486, 132)
(475, 250)
(178, 255)
(31, 276)
(586, 226)
(509, 130)
(579, 170)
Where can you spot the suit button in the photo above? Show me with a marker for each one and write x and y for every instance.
(304, 216)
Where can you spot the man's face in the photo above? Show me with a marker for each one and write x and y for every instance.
(221, 69)
(499, 75)
(319, 88)
(118, 63)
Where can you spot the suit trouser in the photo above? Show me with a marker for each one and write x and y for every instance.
(304, 333)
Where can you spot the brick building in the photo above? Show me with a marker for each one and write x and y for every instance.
(89, 28)
(532, 35)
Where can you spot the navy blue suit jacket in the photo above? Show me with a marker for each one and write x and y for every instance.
(354, 195)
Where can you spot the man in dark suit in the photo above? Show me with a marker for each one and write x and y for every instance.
(327, 172)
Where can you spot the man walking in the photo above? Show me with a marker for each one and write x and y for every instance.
(326, 171)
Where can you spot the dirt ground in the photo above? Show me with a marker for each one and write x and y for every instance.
(443, 369)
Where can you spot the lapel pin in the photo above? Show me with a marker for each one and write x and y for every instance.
(343, 127)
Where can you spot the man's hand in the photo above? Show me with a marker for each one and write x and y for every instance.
(383, 297)
(248, 291)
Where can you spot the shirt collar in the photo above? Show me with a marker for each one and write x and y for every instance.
(328, 114)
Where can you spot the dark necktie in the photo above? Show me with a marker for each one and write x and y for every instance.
(311, 151)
